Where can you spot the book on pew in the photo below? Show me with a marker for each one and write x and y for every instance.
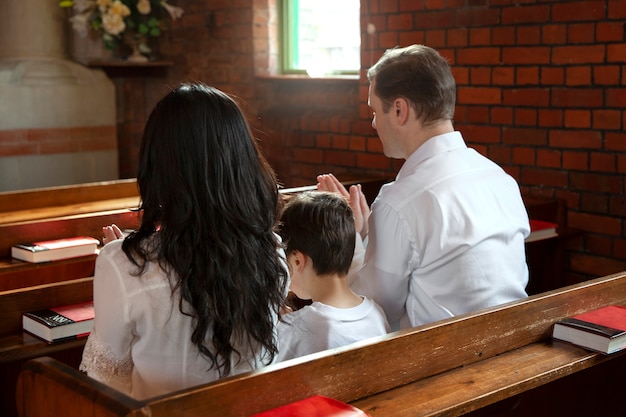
(60, 323)
(52, 250)
(541, 229)
(602, 330)
(315, 406)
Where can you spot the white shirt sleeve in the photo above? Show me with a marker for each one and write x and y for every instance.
(107, 355)
(385, 274)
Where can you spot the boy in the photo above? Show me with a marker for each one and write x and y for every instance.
(318, 231)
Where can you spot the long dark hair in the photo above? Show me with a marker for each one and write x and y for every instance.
(210, 204)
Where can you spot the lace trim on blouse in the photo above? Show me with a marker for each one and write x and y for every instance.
(100, 363)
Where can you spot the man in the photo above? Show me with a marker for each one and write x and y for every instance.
(447, 236)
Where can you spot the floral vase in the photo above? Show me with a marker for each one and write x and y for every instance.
(135, 43)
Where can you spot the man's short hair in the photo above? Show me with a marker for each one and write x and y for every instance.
(419, 74)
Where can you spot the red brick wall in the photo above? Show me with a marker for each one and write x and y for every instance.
(541, 90)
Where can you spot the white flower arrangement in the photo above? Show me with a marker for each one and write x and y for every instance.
(122, 21)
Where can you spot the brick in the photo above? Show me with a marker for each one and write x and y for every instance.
(570, 97)
(478, 114)
(606, 74)
(525, 117)
(480, 36)
(553, 34)
(548, 158)
(607, 119)
(617, 9)
(525, 14)
(480, 134)
(616, 53)
(596, 182)
(578, 54)
(480, 76)
(525, 136)
(595, 266)
(603, 162)
(580, 75)
(578, 33)
(503, 75)
(479, 95)
(435, 38)
(552, 76)
(617, 206)
(410, 5)
(387, 6)
(435, 19)
(503, 35)
(457, 37)
(526, 55)
(609, 31)
(340, 158)
(575, 160)
(527, 76)
(501, 115)
(580, 139)
(536, 97)
(551, 118)
(478, 56)
(528, 35)
(615, 141)
(402, 21)
(501, 155)
(523, 155)
(616, 97)
(544, 177)
(580, 119)
(578, 10)
(367, 160)
(599, 245)
(477, 16)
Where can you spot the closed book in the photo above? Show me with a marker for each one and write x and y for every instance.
(541, 229)
(52, 250)
(60, 323)
(315, 406)
(602, 330)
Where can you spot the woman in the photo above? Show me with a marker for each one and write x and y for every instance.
(194, 294)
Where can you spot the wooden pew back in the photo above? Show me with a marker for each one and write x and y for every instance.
(379, 375)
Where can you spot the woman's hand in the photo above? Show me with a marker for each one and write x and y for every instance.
(111, 233)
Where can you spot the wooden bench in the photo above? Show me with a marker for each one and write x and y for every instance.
(17, 346)
(57, 212)
(497, 361)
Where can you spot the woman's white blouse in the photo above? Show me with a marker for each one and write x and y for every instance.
(141, 342)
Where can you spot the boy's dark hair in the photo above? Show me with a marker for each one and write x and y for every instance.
(321, 225)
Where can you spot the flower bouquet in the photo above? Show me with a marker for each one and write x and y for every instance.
(130, 22)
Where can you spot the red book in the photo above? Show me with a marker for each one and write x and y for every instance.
(60, 323)
(541, 229)
(315, 406)
(52, 250)
(602, 330)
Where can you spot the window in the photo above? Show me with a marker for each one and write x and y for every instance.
(321, 37)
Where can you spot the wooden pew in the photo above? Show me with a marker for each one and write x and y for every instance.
(16, 346)
(57, 212)
(464, 365)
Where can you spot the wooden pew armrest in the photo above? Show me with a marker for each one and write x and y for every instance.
(468, 388)
(74, 392)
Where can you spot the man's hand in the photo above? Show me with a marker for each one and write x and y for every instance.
(356, 198)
